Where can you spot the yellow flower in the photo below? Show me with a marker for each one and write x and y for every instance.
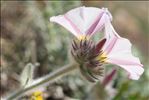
(37, 96)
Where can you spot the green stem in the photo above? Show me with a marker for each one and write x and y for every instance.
(44, 80)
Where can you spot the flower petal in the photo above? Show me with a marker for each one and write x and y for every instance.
(111, 36)
(91, 30)
(91, 17)
(100, 21)
(121, 55)
(109, 45)
(76, 18)
(82, 20)
(62, 21)
(109, 30)
(119, 45)
(134, 71)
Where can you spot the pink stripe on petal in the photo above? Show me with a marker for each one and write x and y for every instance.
(135, 71)
(94, 24)
(62, 21)
(73, 25)
(100, 24)
(125, 62)
(111, 44)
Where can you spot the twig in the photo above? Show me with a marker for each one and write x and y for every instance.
(44, 80)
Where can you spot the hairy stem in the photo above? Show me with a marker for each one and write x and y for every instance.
(44, 80)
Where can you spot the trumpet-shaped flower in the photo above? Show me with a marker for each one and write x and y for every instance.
(83, 21)
(117, 50)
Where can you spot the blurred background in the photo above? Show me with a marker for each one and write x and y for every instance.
(27, 36)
